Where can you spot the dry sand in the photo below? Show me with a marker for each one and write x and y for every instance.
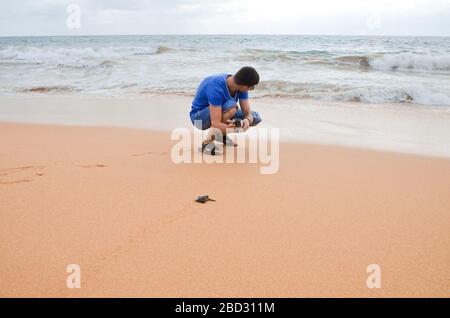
(112, 201)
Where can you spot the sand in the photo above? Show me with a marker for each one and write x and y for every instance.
(112, 201)
(405, 128)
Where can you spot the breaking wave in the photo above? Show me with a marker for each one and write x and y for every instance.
(365, 70)
(330, 92)
(411, 61)
(47, 89)
(163, 49)
(381, 62)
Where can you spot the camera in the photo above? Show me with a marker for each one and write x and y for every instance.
(237, 122)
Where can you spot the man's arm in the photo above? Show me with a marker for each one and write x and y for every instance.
(215, 113)
(245, 106)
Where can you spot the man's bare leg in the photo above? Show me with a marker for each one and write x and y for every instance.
(226, 116)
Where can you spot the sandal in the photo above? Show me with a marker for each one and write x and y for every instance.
(228, 142)
(209, 148)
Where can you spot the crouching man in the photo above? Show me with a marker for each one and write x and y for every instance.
(215, 106)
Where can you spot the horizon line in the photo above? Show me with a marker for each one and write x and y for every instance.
(224, 34)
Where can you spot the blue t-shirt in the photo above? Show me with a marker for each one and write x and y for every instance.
(213, 90)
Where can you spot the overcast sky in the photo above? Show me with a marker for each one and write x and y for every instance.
(344, 17)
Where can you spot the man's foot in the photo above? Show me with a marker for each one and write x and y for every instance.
(228, 142)
(209, 148)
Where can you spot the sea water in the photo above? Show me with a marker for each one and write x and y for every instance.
(361, 69)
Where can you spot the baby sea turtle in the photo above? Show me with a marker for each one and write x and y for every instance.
(203, 199)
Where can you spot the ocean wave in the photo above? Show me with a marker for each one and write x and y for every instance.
(262, 55)
(291, 88)
(166, 91)
(394, 62)
(100, 64)
(281, 89)
(67, 55)
(354, 60)
(163, 49)
(48, 89)
(371, 95)
(84, 57)
(411, 61)
(376, 61)
(321, 70)
(304, 57)
(49, 54)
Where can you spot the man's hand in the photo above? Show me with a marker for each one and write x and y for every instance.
(246, 124)
(230, 124)
(245, 106)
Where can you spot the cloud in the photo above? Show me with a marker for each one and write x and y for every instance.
(408, 17)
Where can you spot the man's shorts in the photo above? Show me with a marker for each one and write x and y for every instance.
(205, 117)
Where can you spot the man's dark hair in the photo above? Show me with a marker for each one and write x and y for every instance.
(247, 76)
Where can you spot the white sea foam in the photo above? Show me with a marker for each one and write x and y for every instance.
(61, 55)
(411, 61)
(368, 94)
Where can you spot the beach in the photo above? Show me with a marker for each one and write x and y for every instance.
(349, 196)
(111, 200)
